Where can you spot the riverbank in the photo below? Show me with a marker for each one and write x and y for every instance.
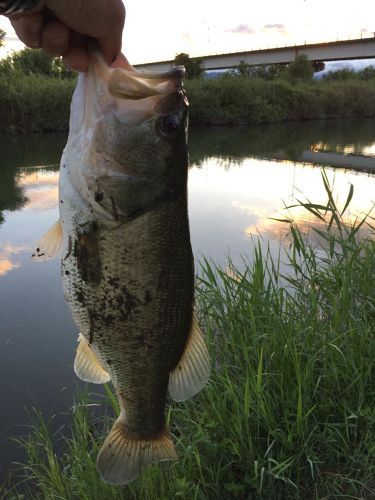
(34, 103)
(288, 412)
(249, 101)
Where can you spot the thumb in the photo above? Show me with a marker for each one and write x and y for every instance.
(100, 19)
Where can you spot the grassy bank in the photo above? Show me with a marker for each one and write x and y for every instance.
(289, 410)
(241, 100)
(41, 103)
(34, 103)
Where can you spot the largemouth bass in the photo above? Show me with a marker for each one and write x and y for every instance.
(126, 259)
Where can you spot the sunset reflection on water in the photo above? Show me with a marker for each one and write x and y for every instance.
(230, 204)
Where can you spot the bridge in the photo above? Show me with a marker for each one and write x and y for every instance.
(360, 48)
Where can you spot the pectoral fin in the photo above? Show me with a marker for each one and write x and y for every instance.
(193, 369)
(87, 366)
(50, 245)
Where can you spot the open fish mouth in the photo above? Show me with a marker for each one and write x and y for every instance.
(133, 95)
(129, 83)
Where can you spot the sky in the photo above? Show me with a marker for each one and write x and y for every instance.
(157, 31)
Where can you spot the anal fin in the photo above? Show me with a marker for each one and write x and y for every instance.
(50, 244)
(87, 366)
(193, 369)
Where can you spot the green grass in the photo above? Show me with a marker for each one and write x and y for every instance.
(34, 103)
(246, 101)
(289, 411)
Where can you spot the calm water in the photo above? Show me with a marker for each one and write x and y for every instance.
(236, 186)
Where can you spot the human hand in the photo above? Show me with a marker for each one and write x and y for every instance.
(62, 28)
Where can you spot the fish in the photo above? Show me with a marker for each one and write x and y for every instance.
(127, 265)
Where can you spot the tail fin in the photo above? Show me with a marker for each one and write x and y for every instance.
(122, 457)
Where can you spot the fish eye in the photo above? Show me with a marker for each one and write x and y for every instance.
(168, 125)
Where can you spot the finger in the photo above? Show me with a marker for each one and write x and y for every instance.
(90, 18)
(28, 28)
(111, 42)
(55, 38)
(76, 58)
(101, 19)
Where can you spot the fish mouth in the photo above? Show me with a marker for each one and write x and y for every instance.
(134, 85)
(130, 94)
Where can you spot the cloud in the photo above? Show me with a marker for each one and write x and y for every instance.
(7, 265)
(41, 190)
(241, 28)
(6, 253)
(281, 28)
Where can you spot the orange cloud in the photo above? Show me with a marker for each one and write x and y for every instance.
(7, 265)
(6, 254)
(41, 189)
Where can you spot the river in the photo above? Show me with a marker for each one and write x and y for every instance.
(240, 181)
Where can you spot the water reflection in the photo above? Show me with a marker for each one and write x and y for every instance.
(40, 188)
(291, 138)
(7, 253)
(18, 152)
(11, 195)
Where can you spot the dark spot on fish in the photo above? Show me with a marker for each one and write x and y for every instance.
(87, 254)
(114, 282)
(130, 302)
(108, 320)
(91, 327)
(67, 273)
(147, 297)
(120, 300)
(80, 296)
(69, 248)
(61, 201)
(114, 208)
(99, 196)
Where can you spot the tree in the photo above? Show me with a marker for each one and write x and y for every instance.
(35, 62)
(2, 36)
(367, 73)
(244, 69)
(32, 62)
(343, 74)
(300, 69)
(264, 71)
(193, 66)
